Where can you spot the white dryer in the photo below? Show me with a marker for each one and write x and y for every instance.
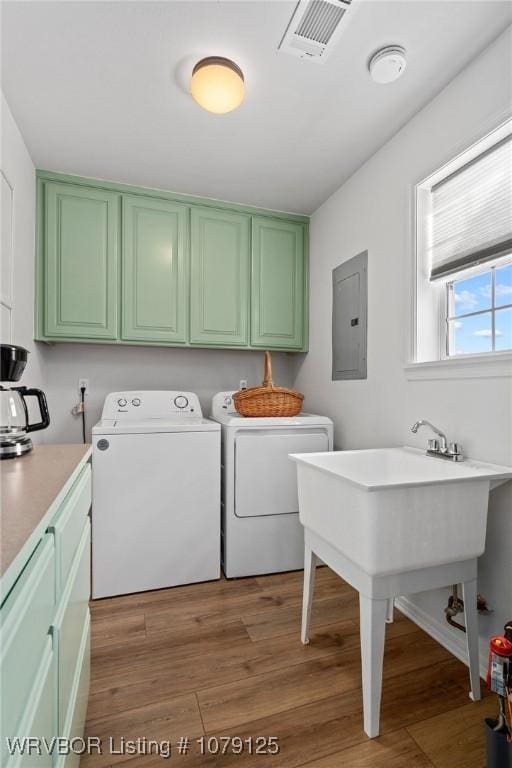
(261, 531)
(156, 493)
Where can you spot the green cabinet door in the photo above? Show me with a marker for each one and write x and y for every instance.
(25, 620)
(278, 284)
(154, 267)
(71, 618)
(219, 294)
(81, 244)
(40, 720)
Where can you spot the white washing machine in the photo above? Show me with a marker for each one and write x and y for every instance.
(156, 493)
(261, 531)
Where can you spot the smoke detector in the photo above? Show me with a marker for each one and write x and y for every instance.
(314, 28)
(387, 64)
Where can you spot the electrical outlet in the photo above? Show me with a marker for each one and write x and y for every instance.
(83, 383)
(243, 384)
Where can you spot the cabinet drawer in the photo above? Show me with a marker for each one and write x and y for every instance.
(40, 717)
(69, 525)
(25, 621)
(72, 616)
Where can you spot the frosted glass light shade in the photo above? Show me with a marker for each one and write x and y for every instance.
(217, 84)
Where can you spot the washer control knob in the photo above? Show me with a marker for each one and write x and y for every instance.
(227, 401)
(136, 401)
(180, 401)
(122, 402)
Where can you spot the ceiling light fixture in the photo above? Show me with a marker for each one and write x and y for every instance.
(387, 64)
(217, 84)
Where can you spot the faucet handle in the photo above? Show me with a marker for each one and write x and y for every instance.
(455, 449)
(433, 444)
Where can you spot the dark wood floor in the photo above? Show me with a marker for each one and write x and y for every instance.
(224, 658)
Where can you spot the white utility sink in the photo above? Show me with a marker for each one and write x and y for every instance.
(394, 509)
(394, 521)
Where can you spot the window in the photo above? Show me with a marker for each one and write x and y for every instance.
(480, 312)
(463, 277)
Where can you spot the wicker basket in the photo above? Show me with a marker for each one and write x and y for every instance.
(268, 400)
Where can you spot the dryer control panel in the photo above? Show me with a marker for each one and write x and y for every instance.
(150, 404)
(222, 403)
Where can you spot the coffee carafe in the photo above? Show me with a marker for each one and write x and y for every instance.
(15, 421)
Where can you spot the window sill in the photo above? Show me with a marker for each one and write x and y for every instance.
(470, 367)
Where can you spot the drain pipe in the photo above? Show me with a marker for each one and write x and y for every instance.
(456, 606)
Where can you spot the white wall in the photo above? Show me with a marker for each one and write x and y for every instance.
(371, 211)
(110, 368)
(18, 168)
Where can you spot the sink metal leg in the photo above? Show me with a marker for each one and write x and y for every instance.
(310, 563)
(469, 595)
(373, 629)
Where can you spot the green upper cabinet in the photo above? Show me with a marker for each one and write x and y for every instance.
(278, 314)
(154, 269)
(80, 270)
(130, 265)
(219, 289)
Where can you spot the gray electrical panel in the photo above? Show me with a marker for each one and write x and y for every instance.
(349, 318)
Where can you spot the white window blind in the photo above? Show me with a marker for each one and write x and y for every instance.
(471, 214)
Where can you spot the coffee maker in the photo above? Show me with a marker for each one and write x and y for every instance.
(15, 422)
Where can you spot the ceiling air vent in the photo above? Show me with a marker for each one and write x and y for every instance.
(314, 28)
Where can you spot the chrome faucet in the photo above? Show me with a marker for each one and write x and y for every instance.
(439, 448)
